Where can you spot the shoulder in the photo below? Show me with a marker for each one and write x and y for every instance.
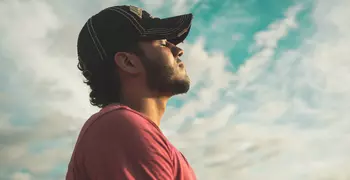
(116, 120)
(119, 122)
(121, 143)
(122, 128)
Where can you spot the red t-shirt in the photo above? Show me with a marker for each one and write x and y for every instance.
(119, 143)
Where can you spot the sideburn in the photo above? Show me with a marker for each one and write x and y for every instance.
(158, 75)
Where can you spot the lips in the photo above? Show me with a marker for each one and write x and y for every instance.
(181, 65)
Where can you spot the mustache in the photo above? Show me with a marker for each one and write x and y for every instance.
(178, 60)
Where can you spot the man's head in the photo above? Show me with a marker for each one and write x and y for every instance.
(125, 45)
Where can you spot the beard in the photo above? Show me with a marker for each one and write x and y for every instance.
(164, 78)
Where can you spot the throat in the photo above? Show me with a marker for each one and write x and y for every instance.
(152, 108)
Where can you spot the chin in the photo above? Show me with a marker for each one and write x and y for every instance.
(175, 87)
(180, 86)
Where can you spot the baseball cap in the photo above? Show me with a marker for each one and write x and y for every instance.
(114, 28)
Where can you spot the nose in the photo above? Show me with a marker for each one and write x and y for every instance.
(177, 52)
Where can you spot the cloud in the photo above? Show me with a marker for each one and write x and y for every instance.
(282, 110)
(195, 141)
(39, 86)
(182, 6)
(152, 5)
(21, 176)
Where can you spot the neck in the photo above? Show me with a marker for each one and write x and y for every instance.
(151, 107)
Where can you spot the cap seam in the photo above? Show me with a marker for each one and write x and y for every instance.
(140, 28)
(96, 36)
(93, 39)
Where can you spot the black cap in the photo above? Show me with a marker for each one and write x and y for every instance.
(112, 29)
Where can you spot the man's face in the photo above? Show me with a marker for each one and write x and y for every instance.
(165, 72)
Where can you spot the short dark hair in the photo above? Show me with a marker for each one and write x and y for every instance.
(102, 76)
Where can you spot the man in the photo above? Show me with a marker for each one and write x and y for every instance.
(131, 63)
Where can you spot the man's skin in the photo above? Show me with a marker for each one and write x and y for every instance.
(147, 89)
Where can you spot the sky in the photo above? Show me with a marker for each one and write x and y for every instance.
(269, 98)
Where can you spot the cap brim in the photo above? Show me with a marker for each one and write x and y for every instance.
(174, 29)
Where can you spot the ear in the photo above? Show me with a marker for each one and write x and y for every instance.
(127, 62)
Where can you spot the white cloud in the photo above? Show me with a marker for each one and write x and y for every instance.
(152, 5)
(290, 119)
(182, 6)
(21, 176)
(43, 90)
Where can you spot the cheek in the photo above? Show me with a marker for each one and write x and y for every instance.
(169, 58)
(162, 57)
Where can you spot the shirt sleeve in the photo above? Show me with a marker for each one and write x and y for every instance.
(123, 145)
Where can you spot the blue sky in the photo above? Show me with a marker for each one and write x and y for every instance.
(270, 94)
